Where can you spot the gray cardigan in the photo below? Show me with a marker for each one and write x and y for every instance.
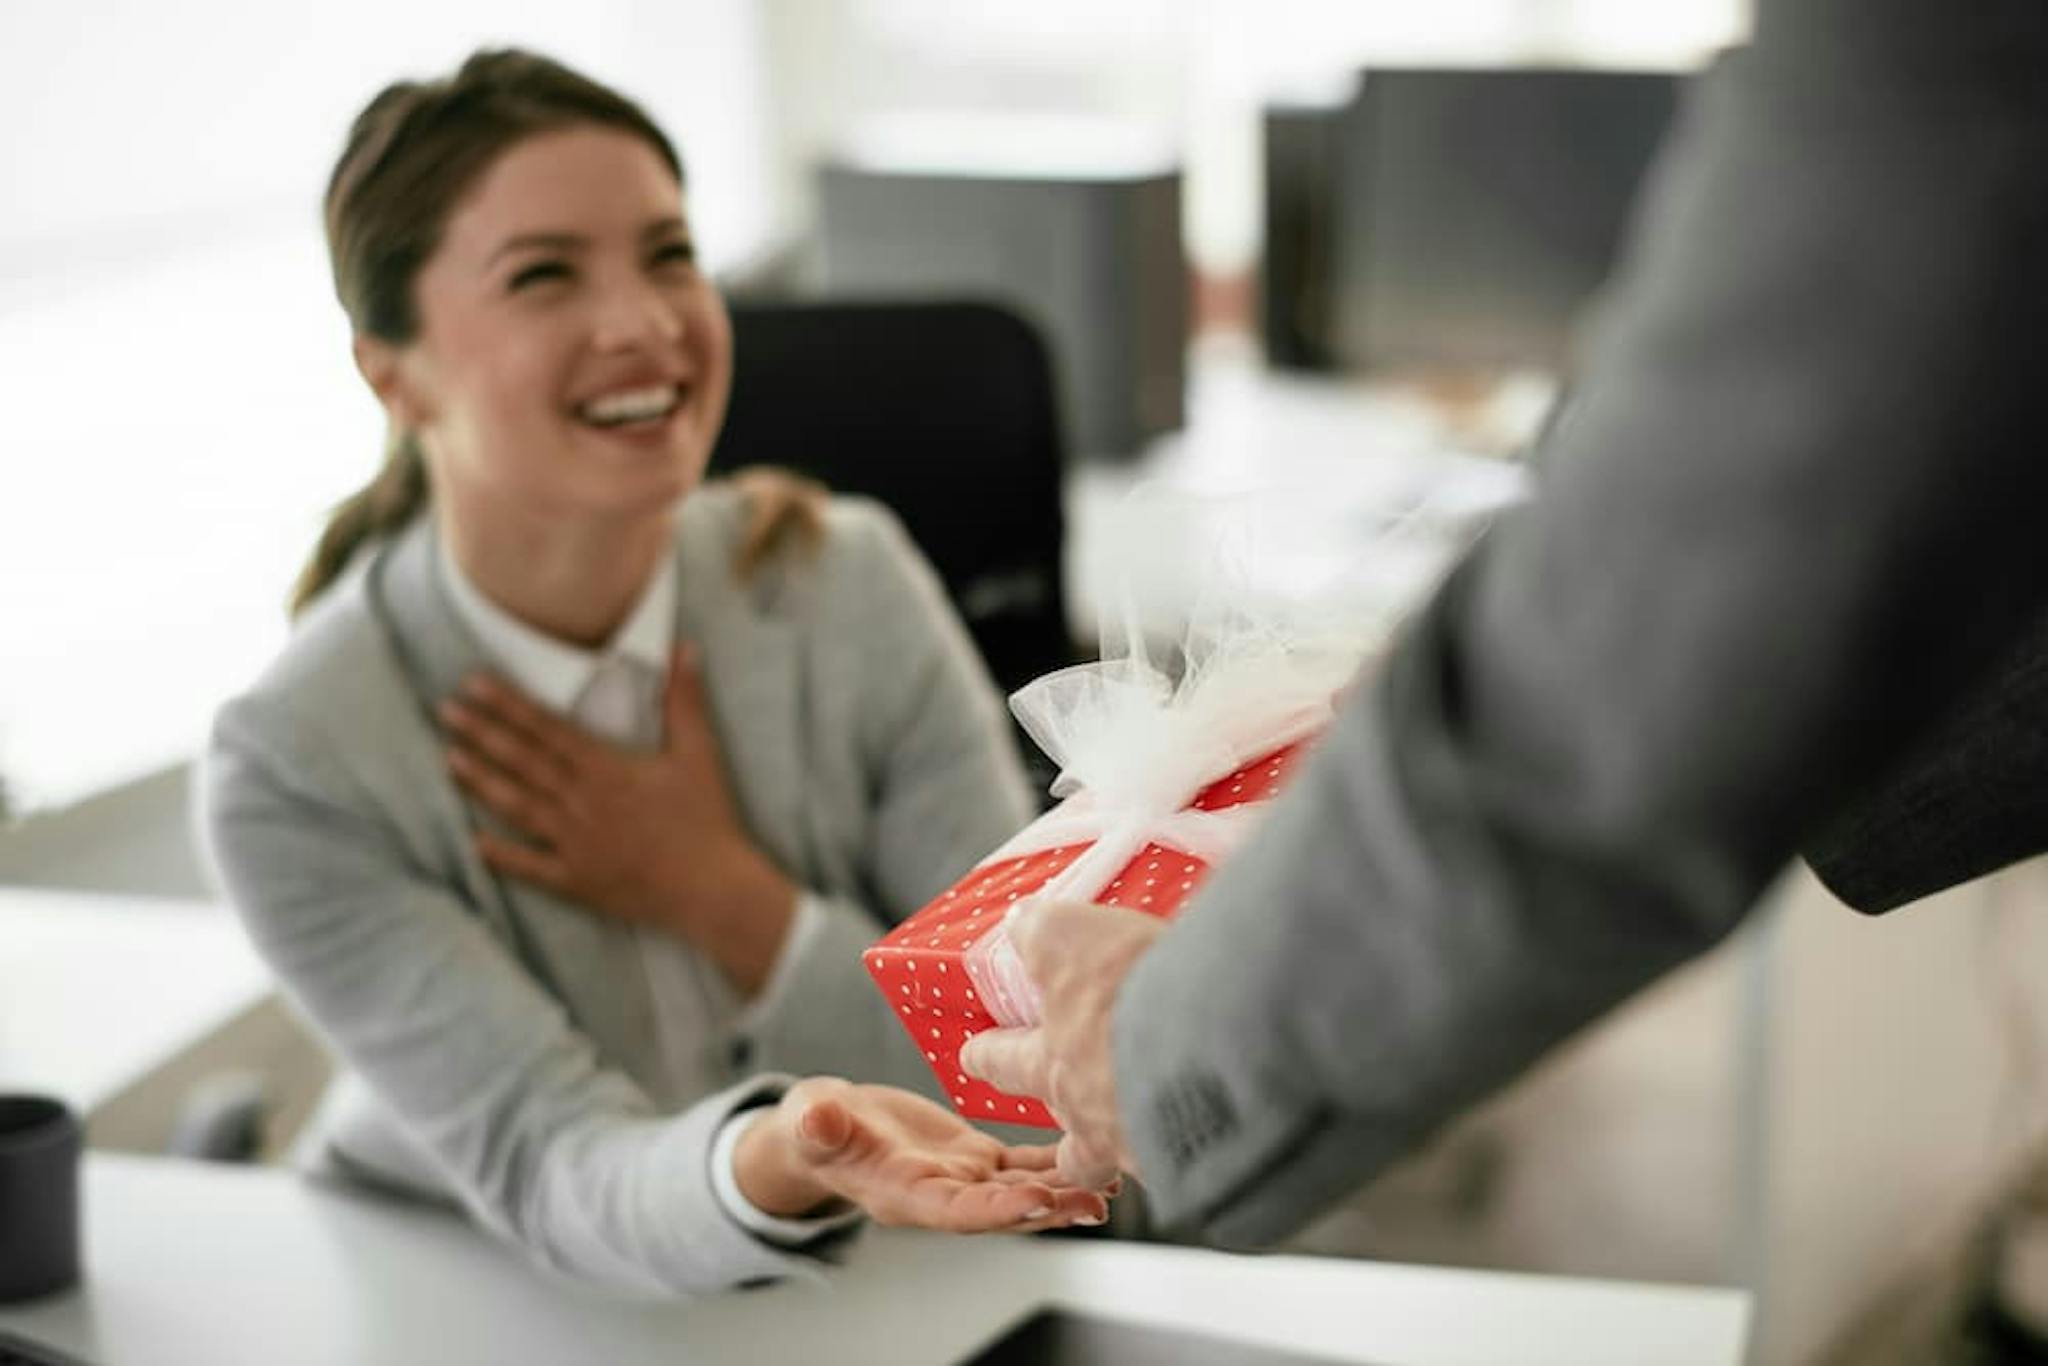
(507, 1036)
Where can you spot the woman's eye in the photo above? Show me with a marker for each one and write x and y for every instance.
(676, 254)
(537, 273)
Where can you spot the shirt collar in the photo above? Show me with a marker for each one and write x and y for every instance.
(552, 671)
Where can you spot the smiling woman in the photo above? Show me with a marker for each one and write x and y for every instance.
(568, 231)
(578, 790)
(584, 361)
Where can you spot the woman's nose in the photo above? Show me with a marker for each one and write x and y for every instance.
(637, 315)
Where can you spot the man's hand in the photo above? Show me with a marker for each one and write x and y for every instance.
(902, 1160)
(651, 838)
(1078, 956)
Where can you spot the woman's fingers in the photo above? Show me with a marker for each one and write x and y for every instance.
(1008, 1201)
(831, 1131)
(517, 805)
(972, 1170)
(687, 731)
(510, 749)
(1027, 1208)
(539, 726)
(1031, 1157)
(824, 1131)
(1012, 1178)
(540, 867)
(907, 1162)
(1044, 1158)
(1070, 1204)
(683, 696)
(978, 1207)
(1067, 1207)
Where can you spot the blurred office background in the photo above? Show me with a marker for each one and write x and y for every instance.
(1329, 260)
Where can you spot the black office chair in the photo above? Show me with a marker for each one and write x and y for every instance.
(946, 413)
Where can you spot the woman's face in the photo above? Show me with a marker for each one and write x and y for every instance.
(572, 360)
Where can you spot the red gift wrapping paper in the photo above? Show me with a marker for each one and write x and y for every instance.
(920, 965)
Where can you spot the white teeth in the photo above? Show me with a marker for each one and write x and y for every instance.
(631, 405)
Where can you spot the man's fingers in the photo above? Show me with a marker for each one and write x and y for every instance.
(1082, 1207)
(1013, 1060)
(1044, 933)
(1085, 1163)
(1023, 926)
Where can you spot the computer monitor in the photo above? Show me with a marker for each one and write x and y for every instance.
(1477, 211)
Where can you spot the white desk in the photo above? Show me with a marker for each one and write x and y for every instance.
(228, 1265)
(98, 991)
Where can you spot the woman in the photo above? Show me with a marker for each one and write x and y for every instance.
(574, 797)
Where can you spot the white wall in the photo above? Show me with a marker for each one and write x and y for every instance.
(1908, 1086)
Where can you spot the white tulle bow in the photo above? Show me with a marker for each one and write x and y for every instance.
(1135, 749)
(1269, 641)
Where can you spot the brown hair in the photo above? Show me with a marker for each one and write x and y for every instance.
(410, 156)
(784, 509)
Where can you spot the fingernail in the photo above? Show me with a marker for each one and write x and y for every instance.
(1036, 1212)
(1091, 1221)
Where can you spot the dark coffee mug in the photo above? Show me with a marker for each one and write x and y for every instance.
(40, 1144)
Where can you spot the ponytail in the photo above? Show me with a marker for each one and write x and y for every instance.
(376, 510)
(785, 511)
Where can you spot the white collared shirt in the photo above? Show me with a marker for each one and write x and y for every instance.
(616, 693)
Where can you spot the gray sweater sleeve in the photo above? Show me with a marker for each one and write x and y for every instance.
(1793, 518)
(544, 1145)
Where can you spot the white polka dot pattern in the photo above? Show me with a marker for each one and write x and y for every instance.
(912, 961)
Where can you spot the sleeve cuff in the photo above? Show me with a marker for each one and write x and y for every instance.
(787, 1233)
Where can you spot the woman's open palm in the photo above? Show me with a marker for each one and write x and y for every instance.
(907, 1161)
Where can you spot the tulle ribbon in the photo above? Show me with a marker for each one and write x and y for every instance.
(1136, 746)
(1272, 634)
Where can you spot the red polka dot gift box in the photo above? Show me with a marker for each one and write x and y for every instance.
(942, 989)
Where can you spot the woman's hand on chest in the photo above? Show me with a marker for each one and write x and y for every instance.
(650, 838)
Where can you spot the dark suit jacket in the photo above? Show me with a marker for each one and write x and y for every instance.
(1793, 518)
(1969, 801)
